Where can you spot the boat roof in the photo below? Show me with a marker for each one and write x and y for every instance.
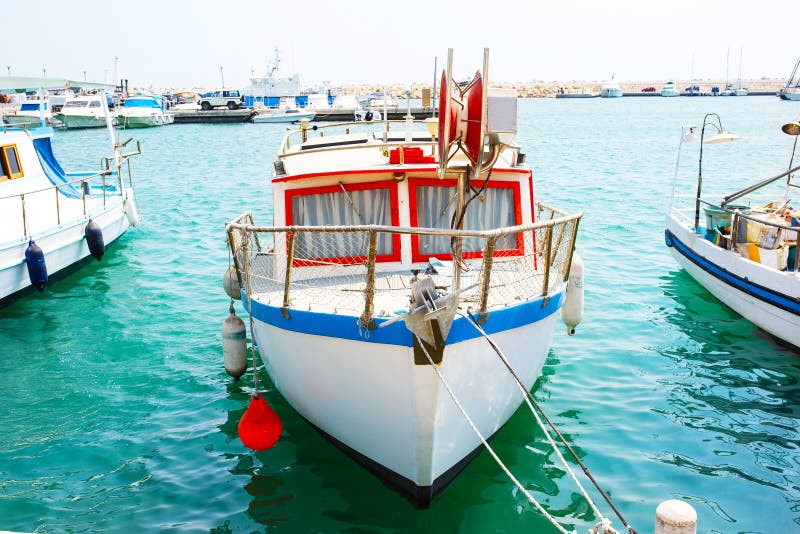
(13, 84)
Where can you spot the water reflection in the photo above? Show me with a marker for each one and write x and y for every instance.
(735, 388)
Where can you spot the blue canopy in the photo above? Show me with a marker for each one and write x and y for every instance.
(142, 101)
(52, 169)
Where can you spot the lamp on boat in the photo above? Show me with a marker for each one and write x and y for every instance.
(722, 136)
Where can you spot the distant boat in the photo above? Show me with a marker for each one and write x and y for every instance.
(692, 90)
(583, 93)
(791, 91)
(83, 111)
(282, 115)
(611, 89)
(740, 89)
(669, 89)
(29, 115)
(143, 111)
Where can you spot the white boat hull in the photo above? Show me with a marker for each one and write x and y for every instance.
(144, 121)
(391, 414)
(264, 116)
(81, 121)
(611, 93)
(63, 246)
(764, 296)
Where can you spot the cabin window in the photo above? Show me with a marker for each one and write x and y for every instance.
(433, 205)
(94, 104)
(10, 166)
(344, 205)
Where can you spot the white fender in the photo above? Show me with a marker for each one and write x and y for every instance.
(572, 310)
(131, 212)
(230, 283)
(234, 345)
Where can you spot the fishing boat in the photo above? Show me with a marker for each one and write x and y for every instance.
(84, 111)
(51, 219)
(400, 253)
(791, 91)
(143, 111)
(745, 254)
(610, 89)
(669, 89)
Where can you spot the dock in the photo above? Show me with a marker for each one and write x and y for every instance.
(216, 116)
(213, 116)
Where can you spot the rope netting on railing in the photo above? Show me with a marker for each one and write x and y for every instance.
(357, 269)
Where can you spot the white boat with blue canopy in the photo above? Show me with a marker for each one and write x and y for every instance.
(745, 254)
(397, 252)
(51, 219)
(143, 111)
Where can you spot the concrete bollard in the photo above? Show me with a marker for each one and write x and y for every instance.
(676, 517)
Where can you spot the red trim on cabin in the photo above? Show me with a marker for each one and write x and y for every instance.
(533, 218)
(387, 168)
(413, 183)
(391, 185)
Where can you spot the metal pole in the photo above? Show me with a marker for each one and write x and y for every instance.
(700, 172)
(433, 93)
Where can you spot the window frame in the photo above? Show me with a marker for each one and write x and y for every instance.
(5, 171)
(413, 183)
(391, 185)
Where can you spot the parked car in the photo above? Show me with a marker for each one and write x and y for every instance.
(229, 98)
(649, 90)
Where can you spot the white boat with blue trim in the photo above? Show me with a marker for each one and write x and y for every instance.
(143, 111)
(51, 219)
(746, 256)
(387, 241)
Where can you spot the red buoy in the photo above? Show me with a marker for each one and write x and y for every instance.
(260, 427)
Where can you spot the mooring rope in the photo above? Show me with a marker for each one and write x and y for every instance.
(250, 313)
(516, 482)
(531, 402)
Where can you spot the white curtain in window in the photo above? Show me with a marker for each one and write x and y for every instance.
(367, 206)
(435, 207)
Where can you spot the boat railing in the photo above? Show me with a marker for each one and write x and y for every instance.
(358, 269)
(305, 131)
(50, 200)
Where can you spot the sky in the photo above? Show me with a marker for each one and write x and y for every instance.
(183, 44)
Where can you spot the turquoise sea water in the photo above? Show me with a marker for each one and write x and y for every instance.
(117, 415)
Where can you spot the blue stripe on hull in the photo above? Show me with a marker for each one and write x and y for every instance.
(347, 327)
(762, 293)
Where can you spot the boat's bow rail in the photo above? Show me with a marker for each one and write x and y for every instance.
(352, 269)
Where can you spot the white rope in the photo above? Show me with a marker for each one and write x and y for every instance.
(488, 447)
(502, 356)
